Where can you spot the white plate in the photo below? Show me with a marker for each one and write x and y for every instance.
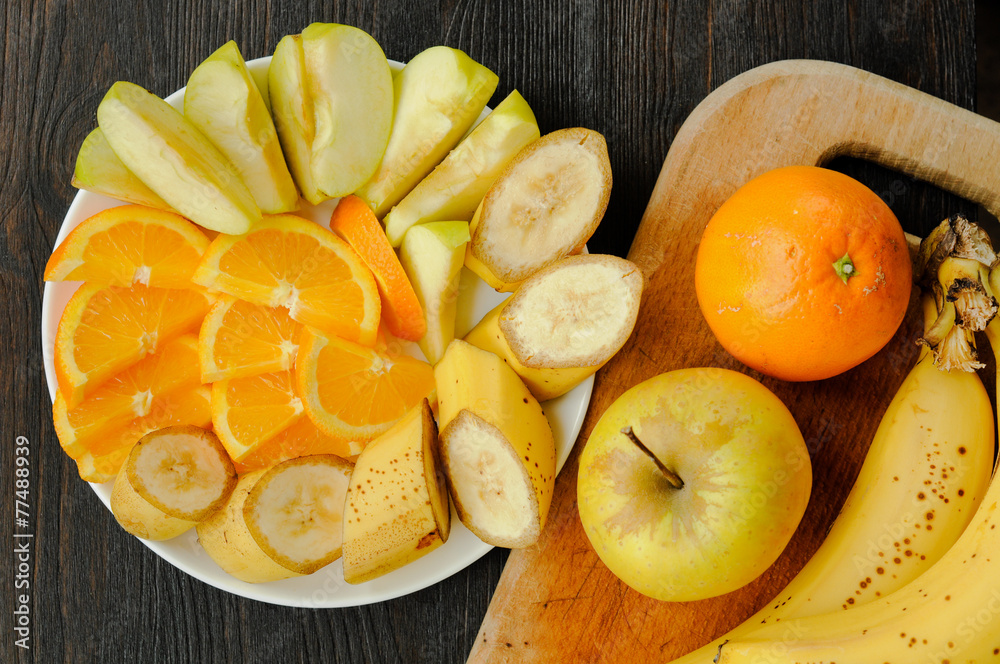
(325, 588)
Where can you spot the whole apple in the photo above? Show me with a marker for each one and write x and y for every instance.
(692, 483)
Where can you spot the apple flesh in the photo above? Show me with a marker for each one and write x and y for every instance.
(692, 483)
(98, 169)
(222, 100)
(432, 255)
(349, 82)
(171, 157)
(456, 186)
(439, 94)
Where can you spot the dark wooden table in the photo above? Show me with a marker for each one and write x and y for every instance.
(632, 70)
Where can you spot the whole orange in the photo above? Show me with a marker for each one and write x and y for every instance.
(803, 273)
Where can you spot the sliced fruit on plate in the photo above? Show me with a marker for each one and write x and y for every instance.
(183, 406)
(164, 150)
(295, 511)
(248, 411)
(98, 169)
(432, 256)
(439, 94)
(239, 339)
(456, 186)
(126, 396)
(222, 100)
(354, 392)
(226, 539)
(292, 110)
(105, 329)
(402, 314)
(497, 446)
(392, 518)
(129, 244)
(174, 478)
(545, 205)
(349, 82)
(301, 438)
(288, 261)
(564, 322)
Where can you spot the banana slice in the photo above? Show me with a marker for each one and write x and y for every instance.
(497, 447)
(545, 205)
(397, 507)
(173, 479)
(565, 322)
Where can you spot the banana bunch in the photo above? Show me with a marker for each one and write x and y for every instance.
(948, 610)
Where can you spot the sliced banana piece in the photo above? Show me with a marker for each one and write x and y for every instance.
(545, 205)
(173, 479)
(397, 507)
(497, 446)
(565, 322)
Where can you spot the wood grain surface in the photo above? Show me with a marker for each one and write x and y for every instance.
(632, 70)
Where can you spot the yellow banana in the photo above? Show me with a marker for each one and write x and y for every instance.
(925, 473)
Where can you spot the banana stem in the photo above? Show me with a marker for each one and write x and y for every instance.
(672, 477)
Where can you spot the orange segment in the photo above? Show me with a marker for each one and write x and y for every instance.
(126, 395)
(105, 329)
(354, 221)
(240, 339)
(302, 438)
(287, 261)
(355, 392)
(181, 406)
(129, 244)
(248, 411)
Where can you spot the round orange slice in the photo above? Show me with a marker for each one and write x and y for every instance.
(239, 339)
(105, 329)
(287, 261)
(248, 411)
(129, 244)
(354, 392)
(354, 221)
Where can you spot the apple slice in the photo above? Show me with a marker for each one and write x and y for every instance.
(497, 446)
(222, 100)
(564, 322)
(98, 169)
(397, 506)
(545, 205)
(350, 84)
(157, 143)
(439, 94)
(292, 110)
(174, 478)
(432, 256)
(456, 186)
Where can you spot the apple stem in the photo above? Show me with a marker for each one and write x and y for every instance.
(672, 477)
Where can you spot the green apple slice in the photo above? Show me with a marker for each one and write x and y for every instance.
(432, 255)
(292, 110)
(98, 169)
(171, 157)
(349, 82)
(454, 189)
(222, 100)
(438, 96)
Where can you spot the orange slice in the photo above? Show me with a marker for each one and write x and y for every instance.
(302, 438)
(130, 244)
(354, 392)
(287, 261)
(248, 411)
(182, 406)
(126, 396)
(354, 221)
(239, 339)
(105, 329)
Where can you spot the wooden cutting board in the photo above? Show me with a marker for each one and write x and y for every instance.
(557, 602)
